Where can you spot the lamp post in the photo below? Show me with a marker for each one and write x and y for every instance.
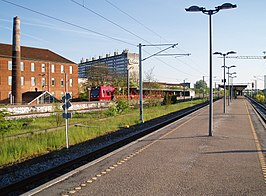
(229, 92)
(184, 88)
(210, 13)
(232, 77)
(224, 55)
(229, 87)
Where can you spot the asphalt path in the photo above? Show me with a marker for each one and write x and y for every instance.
(181, 159)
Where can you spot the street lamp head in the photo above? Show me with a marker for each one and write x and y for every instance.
(231, 52)
(218, 53)
(194, 8)
(226, 6)
(232, 66)
(233, 73)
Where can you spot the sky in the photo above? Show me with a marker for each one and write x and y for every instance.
(79, 29)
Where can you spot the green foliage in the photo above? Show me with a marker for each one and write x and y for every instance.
(112, 111)
(200, 85)
(122, 105)
(57, 119)
(154, 101)
(119, 107)
(5, 125)
(96, 124)
(260, 97)
(169, 99)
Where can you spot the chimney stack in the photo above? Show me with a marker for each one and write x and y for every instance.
(16, 71)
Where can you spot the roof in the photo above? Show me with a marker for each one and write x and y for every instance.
(31, 96)
(239, 87)
(37, 54)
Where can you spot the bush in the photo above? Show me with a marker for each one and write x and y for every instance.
(169, 99)
(122, 105)
(112, 111)
(119, 107)
(260, 97)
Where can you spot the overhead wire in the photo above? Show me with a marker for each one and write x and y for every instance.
(130, 32)
(89, 30)
(68, 23)
(149, 29)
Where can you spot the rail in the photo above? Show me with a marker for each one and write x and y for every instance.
(260, 108)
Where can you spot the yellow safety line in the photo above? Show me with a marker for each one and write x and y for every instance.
(125, 159)
(258, 146)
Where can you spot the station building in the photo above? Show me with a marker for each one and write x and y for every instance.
(43, 74)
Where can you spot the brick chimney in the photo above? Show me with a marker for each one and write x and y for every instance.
(16, 71)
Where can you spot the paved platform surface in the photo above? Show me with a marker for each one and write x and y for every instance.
(181, 159)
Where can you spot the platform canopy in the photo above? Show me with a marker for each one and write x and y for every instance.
(236, 89)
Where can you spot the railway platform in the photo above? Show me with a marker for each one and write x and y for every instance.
(181, 159)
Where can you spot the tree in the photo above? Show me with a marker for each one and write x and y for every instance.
(200, 86)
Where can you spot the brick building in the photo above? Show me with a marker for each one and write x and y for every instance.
(41, 71)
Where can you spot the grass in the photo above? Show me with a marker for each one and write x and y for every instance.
(94, 125)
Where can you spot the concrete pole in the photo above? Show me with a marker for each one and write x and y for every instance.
(16, 70)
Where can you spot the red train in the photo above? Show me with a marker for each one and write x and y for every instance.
(102, 93)
(107, 93)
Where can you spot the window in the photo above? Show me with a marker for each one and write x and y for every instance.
(52, 68)
(53, 82)
(32, 67)
(70, 69)
(33, 81)
(22, 66)
(43, 67)
(71, 82)
(62, 82)
(43, 82)
(62, 68)
(22, 81)
(9, 80)
(9, 65)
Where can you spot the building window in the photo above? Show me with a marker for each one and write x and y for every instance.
(33, 81)
(43, 82)
(22, 81)
(62, 68)
(62, 82)
(9, 80)
(9, 65)
(70, 69)
(43, 67)
(52, 68)
(22, 66)
(71, 82)
(53, 82)
(32, 67)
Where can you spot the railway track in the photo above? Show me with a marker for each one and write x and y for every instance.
(34, 181)
(260, 108)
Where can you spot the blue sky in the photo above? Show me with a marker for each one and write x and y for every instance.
(242, 29)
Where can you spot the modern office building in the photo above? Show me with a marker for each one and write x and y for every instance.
(43, 74)
(120, 66)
